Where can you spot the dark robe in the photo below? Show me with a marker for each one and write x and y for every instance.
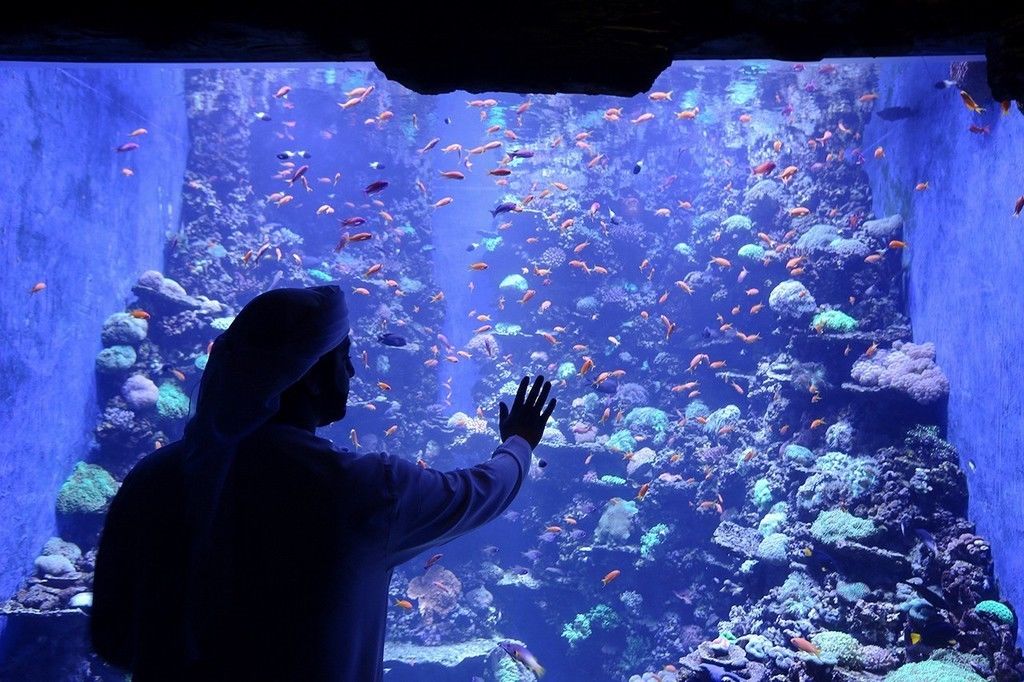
(317, 533)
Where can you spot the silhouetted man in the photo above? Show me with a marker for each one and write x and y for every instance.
(251, 549)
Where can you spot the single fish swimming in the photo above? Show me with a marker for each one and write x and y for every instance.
(503, 208)
(389, 339)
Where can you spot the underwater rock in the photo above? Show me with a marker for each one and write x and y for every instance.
(817, 238)
(908, 368)
(762, 202)
(53, 564)
(480, 598)
(883, 228)
(639, 464)
(849, 248)
(122, 329)
(140, 392)
(584, 433)
(971, 548)
(163, 295)
(737, 539)
(446, 656)
(56, 545)
(615, 523)
(115, 360)
(872, 561)
(82, 600)
(723, 653)
(791, 298)
(437, 591)
(877, 659)
(39, 597)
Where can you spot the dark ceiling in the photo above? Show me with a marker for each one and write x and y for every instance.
(585, 47)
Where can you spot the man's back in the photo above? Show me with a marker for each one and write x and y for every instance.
(316, 534)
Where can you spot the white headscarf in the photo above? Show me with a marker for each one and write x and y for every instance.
(275, 339)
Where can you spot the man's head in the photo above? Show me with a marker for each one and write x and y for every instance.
(323, 390)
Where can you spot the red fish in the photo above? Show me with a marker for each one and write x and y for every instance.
(764, 168)
(128, 147)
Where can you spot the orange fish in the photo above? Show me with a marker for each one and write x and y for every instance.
(642, 493)
(818, 422)
(612, 575)
(453, 175)
(970, 103)
(390, 431)
(804, 645)
(373, 269)
(140, 314)
(921, 186)
(443, 202)
(383, 386)
(478, 266)
(404, 603)
(897, 244)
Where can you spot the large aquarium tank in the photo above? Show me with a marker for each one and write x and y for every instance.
(779, 303)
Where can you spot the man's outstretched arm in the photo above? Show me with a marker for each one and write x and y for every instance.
(433, 507)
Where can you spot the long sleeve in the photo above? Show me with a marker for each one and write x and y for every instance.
(433, 507)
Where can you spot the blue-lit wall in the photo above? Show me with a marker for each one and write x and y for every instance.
(965, 267)
(70, 218)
